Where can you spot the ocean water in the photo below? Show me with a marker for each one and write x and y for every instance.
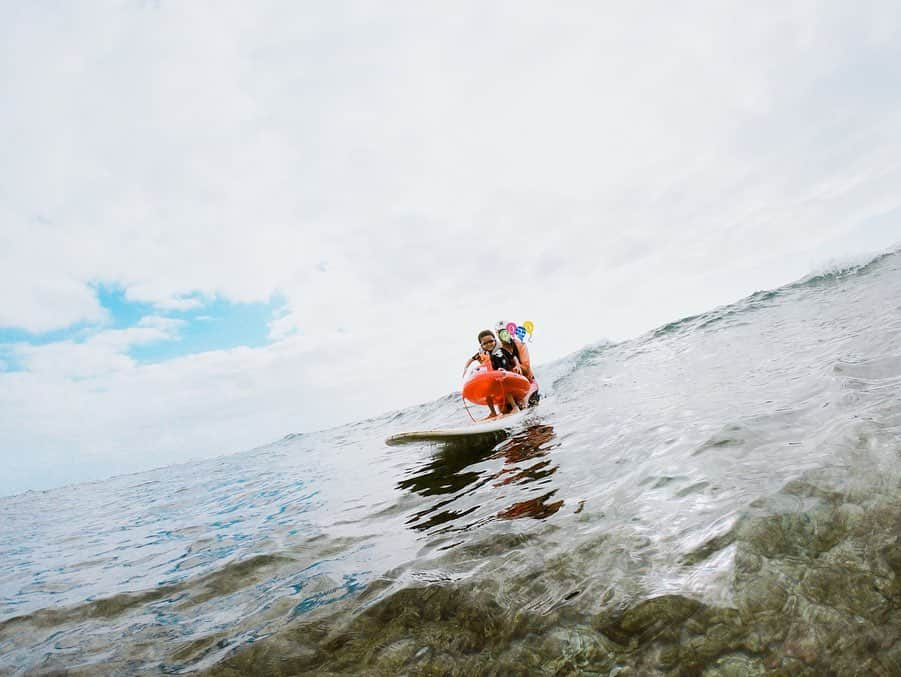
(719, 496)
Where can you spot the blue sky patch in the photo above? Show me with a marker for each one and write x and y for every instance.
(123, 313)
(212, 324)
(8, 360)
(215, 325)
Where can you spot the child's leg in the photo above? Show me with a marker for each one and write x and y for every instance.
(491, 408)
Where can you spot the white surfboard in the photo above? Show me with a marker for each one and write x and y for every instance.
(492, 425)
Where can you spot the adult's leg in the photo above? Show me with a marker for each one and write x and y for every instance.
(533, 396)
(511, 403)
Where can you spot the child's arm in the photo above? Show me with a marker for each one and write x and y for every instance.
(474, 358)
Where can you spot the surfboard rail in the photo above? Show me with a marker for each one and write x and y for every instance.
(483, 427)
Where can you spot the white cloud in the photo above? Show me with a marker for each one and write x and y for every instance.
(282, 327)
(168, 325)
(179, 303)
(399, 173)
(102, 353)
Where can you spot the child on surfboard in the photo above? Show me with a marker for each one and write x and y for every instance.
(493, 353)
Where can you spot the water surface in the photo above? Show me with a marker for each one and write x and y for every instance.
(722, 494)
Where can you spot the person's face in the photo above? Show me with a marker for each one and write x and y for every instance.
(488, 342)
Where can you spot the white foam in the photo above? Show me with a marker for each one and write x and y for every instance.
(846, 264)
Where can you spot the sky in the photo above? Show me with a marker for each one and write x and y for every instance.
(223, 222)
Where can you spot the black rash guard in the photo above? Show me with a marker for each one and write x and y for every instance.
(500, 359)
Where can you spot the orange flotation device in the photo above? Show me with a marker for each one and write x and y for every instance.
(494, 384)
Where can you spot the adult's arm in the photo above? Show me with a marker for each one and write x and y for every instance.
(524, 358)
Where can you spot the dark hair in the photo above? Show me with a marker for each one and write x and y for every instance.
(484, 333)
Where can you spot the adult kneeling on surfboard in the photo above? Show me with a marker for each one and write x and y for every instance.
(518, 349)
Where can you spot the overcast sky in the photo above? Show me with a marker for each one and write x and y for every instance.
(225, 222)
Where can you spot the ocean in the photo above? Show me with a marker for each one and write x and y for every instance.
(719, 496)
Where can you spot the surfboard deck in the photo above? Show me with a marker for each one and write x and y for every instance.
(492, 425)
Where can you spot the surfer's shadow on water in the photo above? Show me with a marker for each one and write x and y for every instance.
(466, 475)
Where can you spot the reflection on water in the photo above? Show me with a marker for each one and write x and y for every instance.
(443, 473)
(461, 469)
(527, 456)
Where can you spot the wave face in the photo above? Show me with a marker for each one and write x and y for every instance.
(720, 494)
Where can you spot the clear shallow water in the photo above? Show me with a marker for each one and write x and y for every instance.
(690, 476)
